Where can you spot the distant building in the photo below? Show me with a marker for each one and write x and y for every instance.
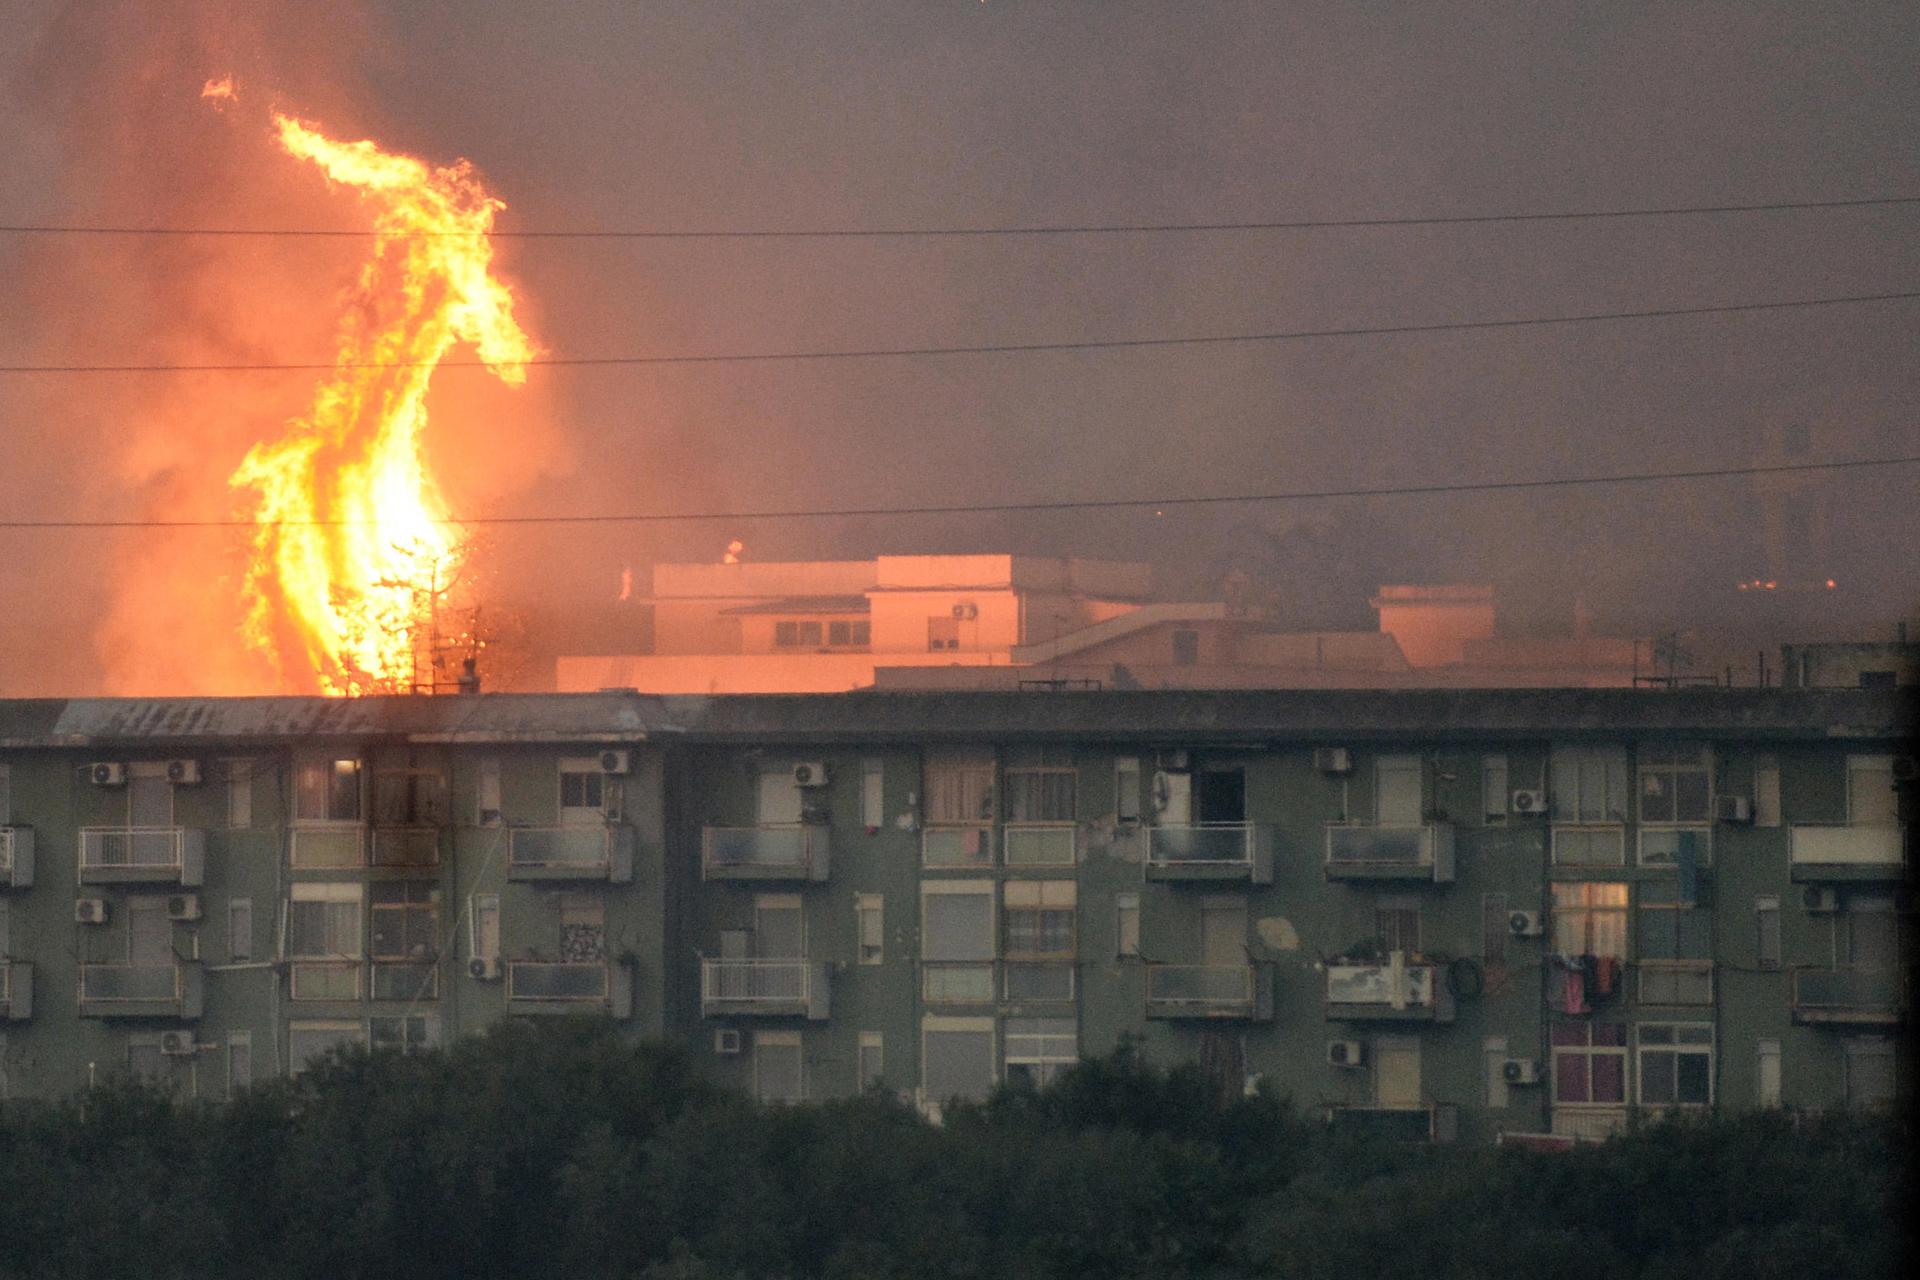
(1861, 665)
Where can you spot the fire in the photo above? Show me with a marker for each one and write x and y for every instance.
(355, 546)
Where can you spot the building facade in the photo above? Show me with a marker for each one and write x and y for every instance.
(1432, 913)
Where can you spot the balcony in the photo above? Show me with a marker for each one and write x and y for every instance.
(540, 986)
(1436, 1122)
(1040, 844)
(1208, 851)
(956, 981)
(967, 847)
(139, 855)
(332, 979)
(570, 853)
(406, 846)
(16, 857)
(1423, 853)
(1230, 992)
(176, 990)
(1829, 854)
(1848, 997)
(1391, 992)
(16, 991)
(769, 988)
(327, 847)
(788, 851)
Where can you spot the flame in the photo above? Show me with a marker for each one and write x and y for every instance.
(354, 545)
(218, 91)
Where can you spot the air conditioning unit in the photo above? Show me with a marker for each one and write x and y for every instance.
(614, 762)
(1333, 759)
(486, 968)
(726, 1042)
(1346, 1053)
(177, 1044)
(1820, 899)
(810, 773)
(183, 772)
(1524, 924)
(966, 611)
(89, 910)
(1521, 1071)
(107, 774)
(1530, 801)
(1733, 808)
(183, 906)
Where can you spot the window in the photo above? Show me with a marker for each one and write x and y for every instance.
(1590, 919)
(1676, 1064)
(873, 1060)
(1494, 1053)
(323, 922)
(956, 1059)
(1766, 919)
(239, 795)
(404, 936)
(1675, 784)
(409, 797)
(1767, 1084)
(326, 790)
(792, 633)
(1870, 791)
(1766, 791)
(942, 633)
(778, 1072)
(1396, 925)
(1870, 1073)
(857, 634)
(1494, 928)
(239, 1061)
(873, 794)
(1040, 918)
(487, 793)
(1493, 786)
(308, 1042)
(1186, 648)
(483, 927)
(582, 789)
(1038, 1049)
(583, 928)
(1589, 784)
(1040, 795)
(956, 939)
(1126, 789)
(960, 790)
(1675, 949)
(1589, 1064)
(1126, 908)
(870, 912)
(240, 928)
(408, 1033)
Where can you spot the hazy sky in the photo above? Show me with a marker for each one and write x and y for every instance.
(941, 113)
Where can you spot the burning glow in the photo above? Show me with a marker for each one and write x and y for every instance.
(734, 549)
(219, 91)
(354, 547)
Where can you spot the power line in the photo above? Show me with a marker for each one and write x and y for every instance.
(1003, 348)
(1069, 229)
(1090, 504)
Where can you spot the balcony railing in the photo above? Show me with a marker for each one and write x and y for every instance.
(1037, 982)
(121, 855)
(330, 979)
(1233, 991)
(16, 990)
(1391, 992)
(1040, 844)
(956, 981)
(1846, 853)
(795, 988)
(1849, 996)
(570, 853)
(327, 846)
(406, 846)
(1436, 1122)
(1390, 853)
(16, 857)
(141, 990)
(540, 986)
(1208, 851)
(968, 846)
(784, 851)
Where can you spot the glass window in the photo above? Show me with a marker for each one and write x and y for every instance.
(582, 789)
(239, 795)
(1870, 799)
(1495, 926)
(6, 796)
(1040, 917)
(240, 928)
(1590, 919)
(487, 793)
(873, 794)
(1493, 786)
(1589, 1063)
(958, 924)
(1127, 924)
(1674, 783)
(959, 791)
(1397, 928)
(1589, 784)
(1766, 791)
(239, 1061)
(583, 928)
(870, 912)
(405, 918)
(1126, 789)
(1766, 916)
(873, 1060)
(1038, 1049)
(323, 922)
(943, 633)
(1676, 1064)
(405, 1034)
(1040, 795)
(327, 790)
(409, 797)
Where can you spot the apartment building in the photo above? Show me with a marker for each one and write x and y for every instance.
(1437, 914)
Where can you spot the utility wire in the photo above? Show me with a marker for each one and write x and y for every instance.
(1069, 229)
(1090, 504)
(1003, 348)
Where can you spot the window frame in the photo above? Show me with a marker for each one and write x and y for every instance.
(1561, 912)
(1023, 1046)
(869, 916)
(332, 761)
(1677, 1049)
(1051, 898)
(1588, 1052)
(784, 1041)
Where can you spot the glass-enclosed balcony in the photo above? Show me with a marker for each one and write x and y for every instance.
(1817, 854)
(967, 846)
(1040, 844)
(1242, 992)
(784, 851)
(956, 982)
(328, 979)
(16, 990)
(795, 988)
(1208, 851)
(1858, 997)
(570, 853)
(1393, 992)
(124, 855)
(1422, 852)
(16, 857)
(541, 986)
(174, 990)
(406, 846)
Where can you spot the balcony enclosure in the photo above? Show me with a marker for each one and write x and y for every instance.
(16, 857)
(1829, 854)
(1423, 852)
(795, 988)
(570, 853)
(957, 846)
(776, 851)
(1851, 997)
(540, 986)
(1393, 992)
(141, 990)
(1041, 844)
(1242, 992)
(126, 855)
(406, 846)
(1208, 851)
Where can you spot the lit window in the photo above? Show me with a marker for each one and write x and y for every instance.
(1590, 919)
(327, 790)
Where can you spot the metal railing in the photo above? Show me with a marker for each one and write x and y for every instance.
(415, 845)
(558, 981)
(135, 848)
(1201, 986)
(1216, 844)
(756, 981)
(337, 979)
(776, 847)
(956, 981)
(967, 846)
(1415, 849)
(1811, 846)
(131, 983)
(572, 848)
(1847, 991)
(1040, 844)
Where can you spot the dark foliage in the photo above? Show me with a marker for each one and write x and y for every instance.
(562, 1150)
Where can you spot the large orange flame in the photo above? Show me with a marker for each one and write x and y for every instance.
(354, 544)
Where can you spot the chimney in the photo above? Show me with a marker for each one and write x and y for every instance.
(469, 676)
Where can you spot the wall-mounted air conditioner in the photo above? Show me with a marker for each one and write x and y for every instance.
(1346, 1053)
(184, 773)
(1524, 924)
(810, 773)
(726, 1042)
(106, 773)
(486, 968)
(89, 910)
(966, 611)
(177, 1044)
(183, 906)
(1333, 759)
(1733, 808)
(615, 762)
(1520, 1071)
(1529, 802)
